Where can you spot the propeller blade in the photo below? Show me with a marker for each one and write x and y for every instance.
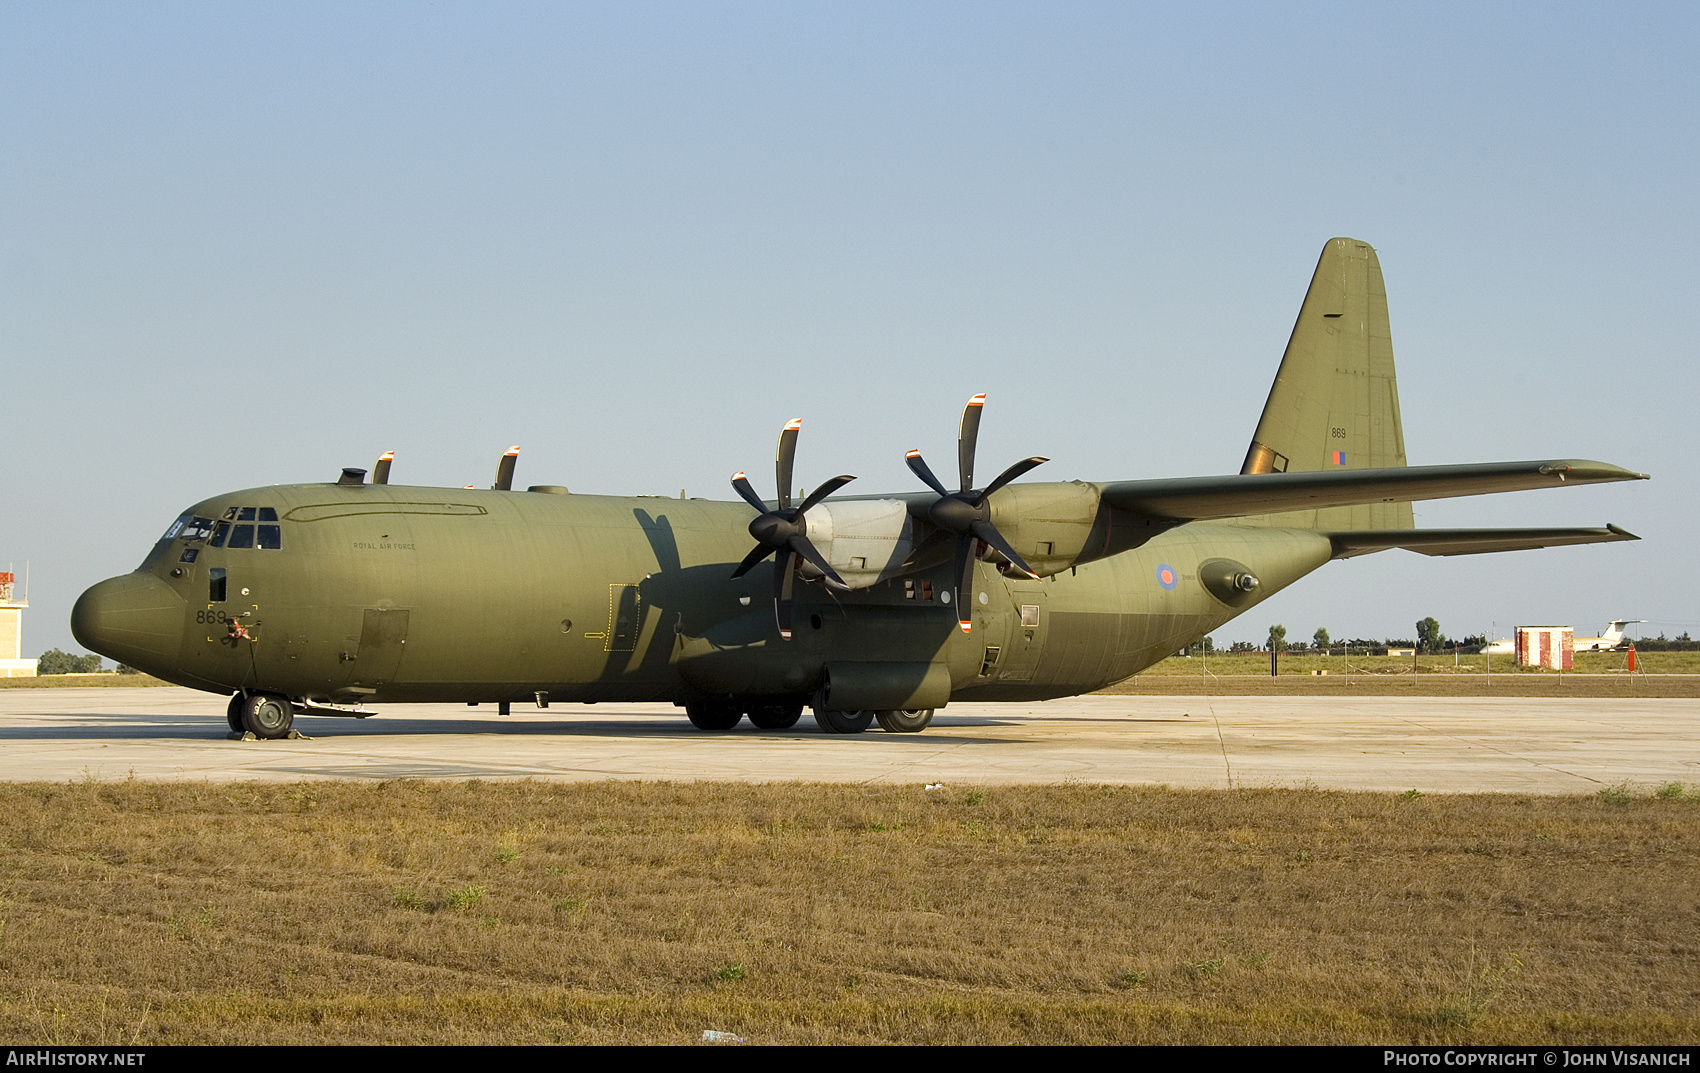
(741, 485)
(967, 436)
(965, 584)
(786, 457)
(505, 470)
(1009, 475)
(800, 546)
(750, 560)
(783, 573)
(988, 532)
(823, 491)
(919, 467)
(381, 472)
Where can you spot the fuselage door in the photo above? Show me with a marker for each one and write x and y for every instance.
(625, 618)
(383, 639)
(1025, 642)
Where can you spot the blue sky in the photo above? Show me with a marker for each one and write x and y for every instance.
(251, 244)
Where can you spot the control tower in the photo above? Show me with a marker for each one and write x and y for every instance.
(12, 631)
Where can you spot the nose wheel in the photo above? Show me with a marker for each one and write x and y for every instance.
(267, 716)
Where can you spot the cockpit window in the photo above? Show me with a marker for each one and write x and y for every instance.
(175, 527)
(238, 530)
(197, 529)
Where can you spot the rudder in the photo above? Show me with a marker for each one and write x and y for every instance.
(1335, 401)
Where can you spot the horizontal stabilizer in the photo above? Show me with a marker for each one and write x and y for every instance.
(1198, 498)
(1469, 541)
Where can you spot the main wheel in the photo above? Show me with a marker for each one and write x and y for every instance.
(910, 721)
(842, 722)
(714, 714)
(268, 716)
(233, 713)
(776, 715)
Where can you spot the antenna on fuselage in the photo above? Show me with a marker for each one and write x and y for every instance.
(505, 471)
(351, 477)
(381, 471)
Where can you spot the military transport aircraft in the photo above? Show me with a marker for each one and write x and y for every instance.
(322, 598)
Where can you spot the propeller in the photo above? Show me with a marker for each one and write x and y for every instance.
(783, 531)
(968, 513)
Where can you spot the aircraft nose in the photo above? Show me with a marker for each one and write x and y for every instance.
(135, 619)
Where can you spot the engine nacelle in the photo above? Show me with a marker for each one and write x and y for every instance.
(1047, 524)
(865, 540)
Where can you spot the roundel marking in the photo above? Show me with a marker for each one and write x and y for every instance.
(1166, 575)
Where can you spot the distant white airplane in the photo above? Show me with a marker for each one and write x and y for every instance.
(1612, 638)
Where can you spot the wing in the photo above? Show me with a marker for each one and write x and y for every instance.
(1237, 495)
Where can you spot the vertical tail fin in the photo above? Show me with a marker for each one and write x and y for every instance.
(1335, 403)
(1614, 632)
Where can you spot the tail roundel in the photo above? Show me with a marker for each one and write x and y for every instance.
(1335, 402)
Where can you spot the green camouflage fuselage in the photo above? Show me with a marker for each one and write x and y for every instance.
(395, 593)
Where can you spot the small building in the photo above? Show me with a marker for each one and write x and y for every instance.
(12, 632)
(1546, 646)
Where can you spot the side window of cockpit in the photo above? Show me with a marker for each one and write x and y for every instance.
(215, 585)
(220, 535)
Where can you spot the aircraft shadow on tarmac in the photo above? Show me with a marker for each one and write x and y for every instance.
(131, 727)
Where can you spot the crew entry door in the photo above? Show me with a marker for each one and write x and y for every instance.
(383, 640)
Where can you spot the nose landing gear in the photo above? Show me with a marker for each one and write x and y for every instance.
(267, 716)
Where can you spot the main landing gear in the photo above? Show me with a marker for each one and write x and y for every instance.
(724, 713)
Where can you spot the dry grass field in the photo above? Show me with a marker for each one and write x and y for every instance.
(81, 681)
(527, 912)
(1597, 674)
